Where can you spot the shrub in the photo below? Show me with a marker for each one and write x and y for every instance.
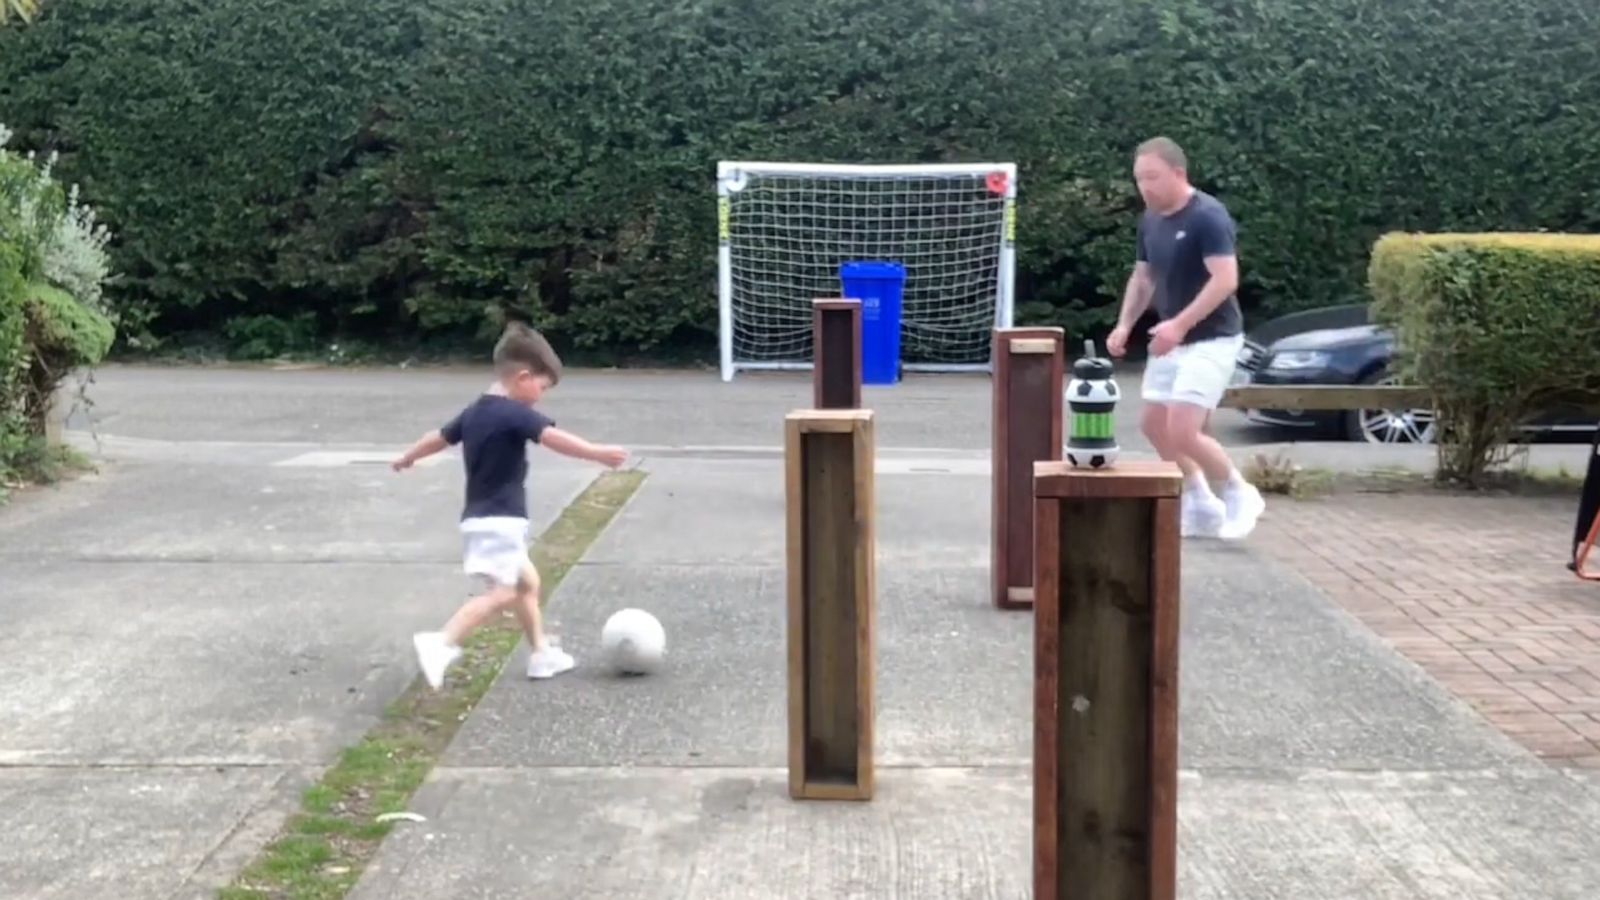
(1498, 327)
(50, 253)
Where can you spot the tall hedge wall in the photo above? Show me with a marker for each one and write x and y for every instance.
(402, 168)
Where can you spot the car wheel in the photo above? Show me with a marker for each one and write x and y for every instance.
(1389, 426)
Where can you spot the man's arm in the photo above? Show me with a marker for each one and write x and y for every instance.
(1136, 295)
(1220, 286)
(1218, 248)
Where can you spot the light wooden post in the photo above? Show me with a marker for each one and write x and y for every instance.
(1106, 682)
(829, 456)
(1028, 383)
(836, 354)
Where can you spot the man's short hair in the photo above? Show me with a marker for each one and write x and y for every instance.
(1165, 149)
(521, 346)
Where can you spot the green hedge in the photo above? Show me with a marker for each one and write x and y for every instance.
(394, 169)
(1501, 328)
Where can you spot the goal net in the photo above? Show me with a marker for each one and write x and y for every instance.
(785, 229)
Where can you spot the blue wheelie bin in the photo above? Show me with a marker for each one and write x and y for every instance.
(880, 287)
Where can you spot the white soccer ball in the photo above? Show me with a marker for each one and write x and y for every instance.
(633, 642)
(1096, 458)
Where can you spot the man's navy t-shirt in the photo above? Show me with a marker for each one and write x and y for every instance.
(494, 433)
(1176, 247)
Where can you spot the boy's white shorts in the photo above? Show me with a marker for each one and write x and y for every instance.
(496, 548)
(1197, 373)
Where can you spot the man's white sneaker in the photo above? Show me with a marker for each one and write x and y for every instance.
(1200, 515)
(549, 662)
(1244, 506)
(434, 656)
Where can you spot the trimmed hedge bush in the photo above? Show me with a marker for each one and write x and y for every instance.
(394, 169)
(1501, 328)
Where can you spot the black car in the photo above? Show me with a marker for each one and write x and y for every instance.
(1342, 345)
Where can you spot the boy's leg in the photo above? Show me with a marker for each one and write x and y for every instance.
(477, 612)
(495, 552)
(545, 658)
(437, 650)
(526, 607)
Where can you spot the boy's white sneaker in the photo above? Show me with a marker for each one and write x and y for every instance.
(549, 662)
(1201, 515)
(434, 656)
(1244, 506)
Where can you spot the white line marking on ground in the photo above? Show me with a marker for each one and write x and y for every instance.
(332, 459)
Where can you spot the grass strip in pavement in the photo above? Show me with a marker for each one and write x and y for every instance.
(323, 848)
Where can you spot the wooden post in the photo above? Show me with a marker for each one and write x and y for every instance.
(1028, 385)
(1105, 719)
(836, 362)
(829, 456)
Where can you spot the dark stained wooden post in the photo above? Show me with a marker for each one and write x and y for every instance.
(1105, 720)
(836, 363)
(831, 556)
(1028, 385)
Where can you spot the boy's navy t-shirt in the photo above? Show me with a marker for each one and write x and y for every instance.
(1176, 248)
(494, 432)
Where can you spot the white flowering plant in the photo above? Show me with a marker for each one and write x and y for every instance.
(53, 269)
(61, 235)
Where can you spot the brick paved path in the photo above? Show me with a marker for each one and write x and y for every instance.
(1474, 590)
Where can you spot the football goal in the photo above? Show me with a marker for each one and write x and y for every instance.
(785, 229)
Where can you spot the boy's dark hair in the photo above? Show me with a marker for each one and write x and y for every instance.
(520, 345)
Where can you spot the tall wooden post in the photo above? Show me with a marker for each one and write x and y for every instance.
(836, 354)
(1028, 385)
(1106, 682)
(829, 456)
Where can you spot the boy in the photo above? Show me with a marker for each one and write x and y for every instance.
(494, 431)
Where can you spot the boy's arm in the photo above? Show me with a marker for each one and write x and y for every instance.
(431, 443)
(568, 444)
(428, 445)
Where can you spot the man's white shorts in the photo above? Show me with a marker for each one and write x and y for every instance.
(1195, 373)
(496, 548)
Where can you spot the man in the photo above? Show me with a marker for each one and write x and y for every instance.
(1187, 270)
(1588, 506)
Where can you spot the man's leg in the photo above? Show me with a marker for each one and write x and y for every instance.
(1153, 422)
(1186, 423)
(1197, 390)
(1202, 512)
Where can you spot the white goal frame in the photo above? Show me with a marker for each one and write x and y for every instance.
(730, 176)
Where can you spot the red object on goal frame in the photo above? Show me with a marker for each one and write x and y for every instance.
(997, 183)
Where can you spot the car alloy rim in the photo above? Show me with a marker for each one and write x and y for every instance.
(1411, 426)
(1385, 426)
